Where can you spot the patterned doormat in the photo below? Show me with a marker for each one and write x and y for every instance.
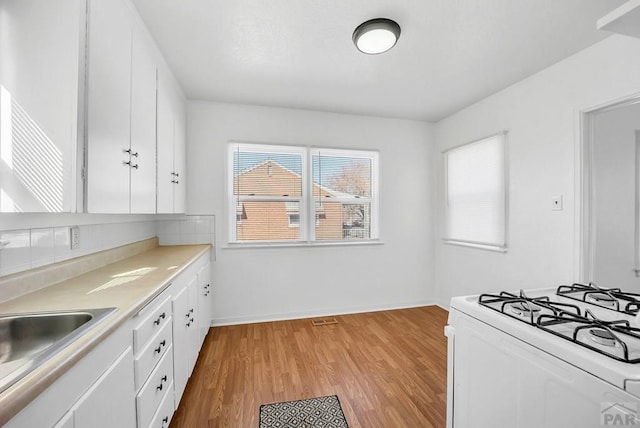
(320, 412)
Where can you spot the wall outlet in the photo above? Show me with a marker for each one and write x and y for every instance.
(556, 203)
(75, 237)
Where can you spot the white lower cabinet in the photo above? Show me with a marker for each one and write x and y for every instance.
(107, 403)
(153, 392)
(186, 335)
(153, 341)
(163, 416)
(205, 301)
(137, 375)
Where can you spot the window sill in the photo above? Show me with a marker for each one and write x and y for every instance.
(237, 245)
(479, 246)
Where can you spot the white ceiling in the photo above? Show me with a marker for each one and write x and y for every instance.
(299, 53)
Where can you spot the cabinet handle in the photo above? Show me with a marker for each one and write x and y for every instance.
(134, 166)
(162, 381)
(191, 310)
(135, 155)
(165, 420)
(161, 316)
(160, 346)
(189, 324)
(175, 181)
(127, 163)
(127, 150)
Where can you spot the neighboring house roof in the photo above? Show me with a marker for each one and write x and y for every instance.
(323, 189)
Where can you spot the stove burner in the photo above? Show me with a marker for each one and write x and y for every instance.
(602, 299)
(602, 336)
(525, 309)
(611, 298)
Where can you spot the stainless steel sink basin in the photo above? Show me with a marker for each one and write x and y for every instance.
(28, 340)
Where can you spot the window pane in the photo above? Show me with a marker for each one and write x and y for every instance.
(268, 221)
(267, 174)
(337, 221)
(341, 177)
(476, 192)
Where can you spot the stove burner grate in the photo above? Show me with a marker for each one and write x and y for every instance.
(610, 298)
(524, 308)
(607, 336)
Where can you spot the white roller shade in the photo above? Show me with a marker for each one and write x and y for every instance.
(476, 193)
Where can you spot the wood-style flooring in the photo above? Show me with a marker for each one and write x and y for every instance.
(387, 368)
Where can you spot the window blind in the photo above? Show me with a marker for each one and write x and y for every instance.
(342, 189)
(267, 191)
(290, 193)
(476, 193)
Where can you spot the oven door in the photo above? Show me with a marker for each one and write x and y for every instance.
(496, 380)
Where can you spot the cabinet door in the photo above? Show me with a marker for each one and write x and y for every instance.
(165, 129)
(179, 148)
(194, 331)
(109, 106)
(204, 301)
(39, 79)
(110, 402)
(180, 342)
(143, 125)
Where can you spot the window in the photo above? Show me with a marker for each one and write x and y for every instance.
(476, 197)
(299, 194)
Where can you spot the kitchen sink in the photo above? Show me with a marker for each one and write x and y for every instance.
(29, 340)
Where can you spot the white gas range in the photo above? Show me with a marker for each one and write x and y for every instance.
(550, 358)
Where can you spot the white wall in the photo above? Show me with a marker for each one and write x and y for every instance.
(614, 183)
(275, 283)
(542, 116)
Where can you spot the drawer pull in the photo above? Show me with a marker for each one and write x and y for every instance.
(191, 310)
(165, 420)
(159, 348)
(160, 317)
(162, 381)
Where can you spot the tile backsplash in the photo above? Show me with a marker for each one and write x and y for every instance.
(26, 249)
(191, 229)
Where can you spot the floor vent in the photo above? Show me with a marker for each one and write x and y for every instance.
(323, 321)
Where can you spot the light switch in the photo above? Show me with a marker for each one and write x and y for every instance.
(556, 203)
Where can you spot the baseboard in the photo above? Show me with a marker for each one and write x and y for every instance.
(250, 319)
(443, 306)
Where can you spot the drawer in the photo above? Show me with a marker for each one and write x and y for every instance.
(151, 325)
(163, 416)
(154, 351)
(155, 389)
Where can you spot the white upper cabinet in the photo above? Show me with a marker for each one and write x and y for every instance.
(171, 146)
(39, 87)
(143, 125)
(136, 118)
(109, 106)
(121, 120)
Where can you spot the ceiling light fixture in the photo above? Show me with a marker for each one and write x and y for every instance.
(376, 36)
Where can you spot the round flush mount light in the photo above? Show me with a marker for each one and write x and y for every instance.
(376, 36)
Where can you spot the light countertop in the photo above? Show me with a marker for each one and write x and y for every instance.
(128, 285)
